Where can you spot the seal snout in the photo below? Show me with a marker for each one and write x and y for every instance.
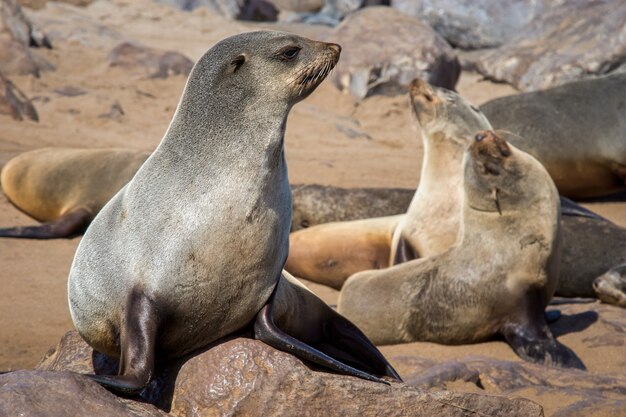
(491, 144)
(335, 47)
(420, 89)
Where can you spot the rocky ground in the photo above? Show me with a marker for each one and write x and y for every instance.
(115, 84)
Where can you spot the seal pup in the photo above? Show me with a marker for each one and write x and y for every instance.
(65, 187)
(193, 247)
(497, 278)
(576, 130)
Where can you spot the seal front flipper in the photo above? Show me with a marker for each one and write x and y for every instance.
(296, 321)
(137, 340)
(532, 340)
(71, 224)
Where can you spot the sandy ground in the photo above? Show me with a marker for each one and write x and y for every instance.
(385, 151)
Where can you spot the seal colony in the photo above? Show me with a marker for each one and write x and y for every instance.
(192, 248)
(592, 245)
(497, 278)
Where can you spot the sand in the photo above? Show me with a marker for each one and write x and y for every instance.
(331, 139)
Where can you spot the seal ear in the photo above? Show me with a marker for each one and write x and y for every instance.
(238, 62)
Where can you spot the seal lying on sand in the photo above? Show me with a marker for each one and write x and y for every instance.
(192, 248)
(577, 131)
(591, 244)
(65, 187)
(497, 278)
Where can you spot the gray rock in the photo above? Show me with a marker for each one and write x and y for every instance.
(576, 40)
(244, 377)
(15, 103)
(17, 34)
(155, 63)
(256, 10)
(475, 24)
(384, 49)
(46, 394)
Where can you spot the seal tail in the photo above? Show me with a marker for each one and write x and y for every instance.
(342, 348)
(69, 225)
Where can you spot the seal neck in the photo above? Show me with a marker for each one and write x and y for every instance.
(235, 126)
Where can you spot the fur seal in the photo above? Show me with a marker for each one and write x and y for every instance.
(591, 244)
(192, 248)
(497, 278)
(65, 187)
(577, 131)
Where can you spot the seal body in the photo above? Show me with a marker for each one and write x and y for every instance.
(577, 131)
(497, 278)
(65, 187)
(193, 247)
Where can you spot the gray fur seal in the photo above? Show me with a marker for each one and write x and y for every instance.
(65, 187)
(192, 248)
(577, 131)
(497, 278)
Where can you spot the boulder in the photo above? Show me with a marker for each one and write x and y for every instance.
(576, 40)
(15, 103)
(256, 10)
(153, 62)
(474, 24)
(378, 60)
(245, 377)
(17, 34)
(46, 394)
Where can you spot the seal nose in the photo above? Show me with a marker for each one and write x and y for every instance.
(335, 47)
(420, 88)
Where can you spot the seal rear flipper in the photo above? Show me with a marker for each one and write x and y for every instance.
(70, 224)
(138, 344)
(297, 321)
(266, 331)
(533, 341)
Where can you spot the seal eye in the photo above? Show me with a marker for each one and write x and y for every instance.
(289, 53)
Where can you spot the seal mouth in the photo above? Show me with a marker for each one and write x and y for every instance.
(314, 73)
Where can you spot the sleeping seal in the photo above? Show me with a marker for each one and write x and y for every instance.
(193, 247)
(497, 278)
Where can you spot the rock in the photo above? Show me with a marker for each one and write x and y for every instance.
(377, 60)
(474, 24)
(44, 393)
(301, 6)
(157, 64)
(67, 23)
(578, 39)
(579, 393)
(15, 103)
(256, 10)
(243, 377)
(33, 4)
(16, 35)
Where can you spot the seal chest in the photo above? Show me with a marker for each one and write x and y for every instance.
(192, 248)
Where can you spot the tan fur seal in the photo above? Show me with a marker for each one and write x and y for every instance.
(192, 248)
(577, 131)
(65, 187)
(497, 278)
(611, 286)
